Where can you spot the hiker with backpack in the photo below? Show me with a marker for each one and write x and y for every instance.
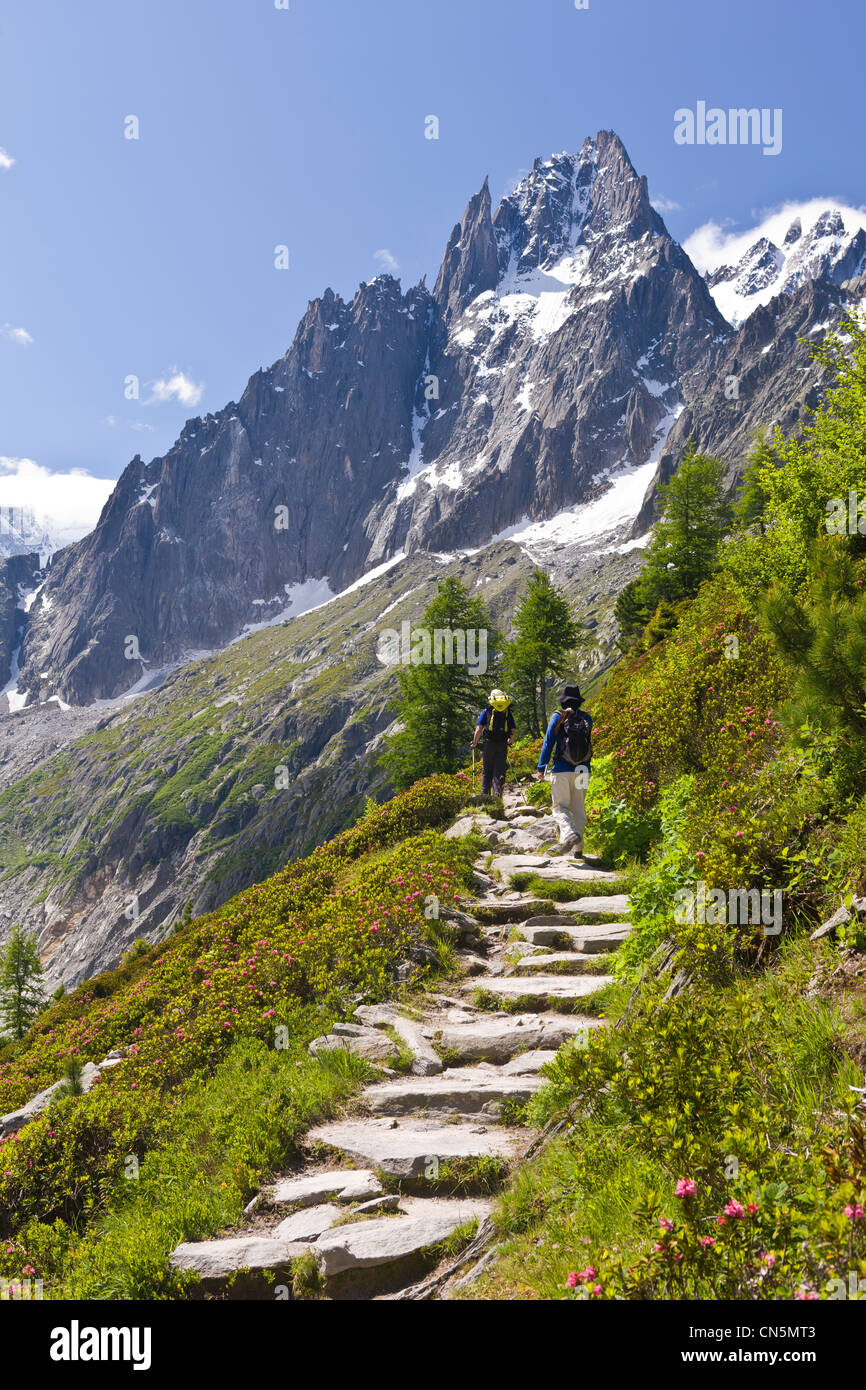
(569, 742)
(496, 724)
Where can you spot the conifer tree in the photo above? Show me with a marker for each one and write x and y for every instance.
(544, 647)
(21, 990)
(438, 701)
(694, 517)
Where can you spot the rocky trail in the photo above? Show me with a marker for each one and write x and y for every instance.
(372, 1205)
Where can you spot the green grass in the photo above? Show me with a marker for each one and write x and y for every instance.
(562, 890)
(227, 1137)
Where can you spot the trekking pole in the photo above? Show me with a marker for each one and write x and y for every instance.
(473, 769)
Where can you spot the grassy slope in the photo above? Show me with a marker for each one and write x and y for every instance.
(95, 1194)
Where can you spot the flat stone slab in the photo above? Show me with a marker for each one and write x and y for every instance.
(588, 938)
(607, 905)
(572, 962)
(370, 1243)
(543, 986)
(408, 1150)
(335, 1185)
(309, 1223)
(548, 866)
(499, 1039)
(463, 1092)
(530, 1063)
(217, 1260)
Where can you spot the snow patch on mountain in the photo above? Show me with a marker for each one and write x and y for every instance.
(607, 516)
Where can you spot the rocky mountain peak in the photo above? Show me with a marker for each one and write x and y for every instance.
(469, 266)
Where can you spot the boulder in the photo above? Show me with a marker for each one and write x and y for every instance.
(374, 1046)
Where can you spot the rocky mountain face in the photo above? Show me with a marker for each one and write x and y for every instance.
(757, 378)
(19, 576)
(565, 332)
(828, 249)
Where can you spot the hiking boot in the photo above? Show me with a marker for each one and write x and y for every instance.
(569, 845)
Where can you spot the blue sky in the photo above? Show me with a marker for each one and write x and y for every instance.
(262, 126)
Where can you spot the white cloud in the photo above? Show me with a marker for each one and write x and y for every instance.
(664, 204)
(386, 261)
(67, 505)
(141, 425)
(16, 335)
(716, 243)
(176, 386)
(6, 160)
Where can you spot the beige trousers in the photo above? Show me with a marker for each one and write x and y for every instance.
(568, 792)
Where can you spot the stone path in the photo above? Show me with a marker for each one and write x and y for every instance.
(418, 1159)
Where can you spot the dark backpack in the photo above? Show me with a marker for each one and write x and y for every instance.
(573, 734)
(496, 727)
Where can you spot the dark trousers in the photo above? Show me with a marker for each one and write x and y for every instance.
(493, 762)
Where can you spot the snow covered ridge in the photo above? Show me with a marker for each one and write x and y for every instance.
(797, 242)
(42, 511)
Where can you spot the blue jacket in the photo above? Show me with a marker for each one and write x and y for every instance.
(561, 764)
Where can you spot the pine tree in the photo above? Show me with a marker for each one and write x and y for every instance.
(544, 647)
(631, 613)
(438, 701)
(694, 517)
(21, 991)
(822, 634)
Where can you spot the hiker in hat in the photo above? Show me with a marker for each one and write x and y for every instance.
(568, 742)
(496, 724)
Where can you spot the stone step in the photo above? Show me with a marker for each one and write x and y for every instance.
(470, 1091)
(393, 1241)
(588, 938)
(606, 905)
(216, 1261)
(309, 1223)
(550, 866)
(414, 1149)
(560, 962)
(553, 987)
(331, 1185)
(529, 1063)
(500, 1037)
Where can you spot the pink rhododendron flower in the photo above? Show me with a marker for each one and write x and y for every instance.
(686, 1187)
